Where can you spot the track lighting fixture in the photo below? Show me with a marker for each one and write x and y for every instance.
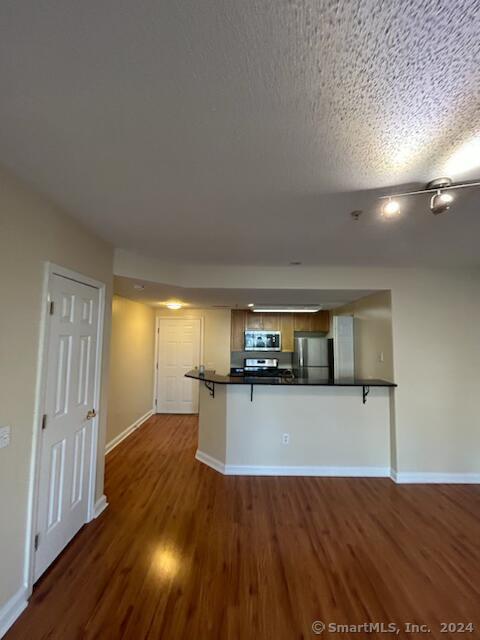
(439, 203)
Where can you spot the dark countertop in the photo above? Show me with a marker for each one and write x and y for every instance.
(305, 381)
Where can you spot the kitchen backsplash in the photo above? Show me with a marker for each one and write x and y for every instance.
(284, 359)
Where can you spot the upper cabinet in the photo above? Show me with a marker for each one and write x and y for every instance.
(239, 324)
(286, 327)
(319, 321)
(270, 321)
(287, 323)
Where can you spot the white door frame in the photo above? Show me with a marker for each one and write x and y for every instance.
(155, 363)
(42, 364)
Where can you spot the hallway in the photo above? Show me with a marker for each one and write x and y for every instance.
(184, 552)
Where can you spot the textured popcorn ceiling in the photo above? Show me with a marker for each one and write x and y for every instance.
(242, 131)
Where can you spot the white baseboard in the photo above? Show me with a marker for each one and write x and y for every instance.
(100, 505)
(11, 610)
(126, 432)
(210, 462)
(338, 472)
(246, 470)
(435, 478)
(327, 472)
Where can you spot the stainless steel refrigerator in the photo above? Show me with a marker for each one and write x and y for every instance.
(310, 358)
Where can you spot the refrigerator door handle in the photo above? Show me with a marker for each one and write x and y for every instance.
(302, 348)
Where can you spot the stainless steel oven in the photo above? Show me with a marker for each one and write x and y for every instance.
(263, 340)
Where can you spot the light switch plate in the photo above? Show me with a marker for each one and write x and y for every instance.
(4, 437)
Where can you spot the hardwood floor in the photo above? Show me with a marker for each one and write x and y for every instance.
(184, 552)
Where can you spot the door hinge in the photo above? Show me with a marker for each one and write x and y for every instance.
(37, 540)
(155, 402)
(157, 365)
(51, 307)
(44, 421)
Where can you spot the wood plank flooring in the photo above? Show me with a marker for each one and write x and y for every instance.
(184, 552)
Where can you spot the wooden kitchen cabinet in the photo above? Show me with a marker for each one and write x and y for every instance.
(287, 323)
(302, 321)
(262, 321)
(254, 321)
(320, 321)
(286, 327)
(238, 326)
(270, 321)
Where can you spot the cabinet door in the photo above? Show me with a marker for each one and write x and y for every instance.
(239, 317)
(321, 321)
(286, 327)
(270, 321)
(254, 320)
(303, 321)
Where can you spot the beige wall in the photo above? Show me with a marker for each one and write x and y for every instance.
(212, 428)
(132, 349)
(216, 329)
(329, 428)
(436, 342)
(373, 335)
(32, 231)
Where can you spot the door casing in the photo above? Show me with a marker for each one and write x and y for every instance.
(42, 365)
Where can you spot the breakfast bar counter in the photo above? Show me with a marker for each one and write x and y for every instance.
(294, 425)
(210, 379)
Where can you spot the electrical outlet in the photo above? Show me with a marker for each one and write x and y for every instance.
(4, 437)
(286, 438)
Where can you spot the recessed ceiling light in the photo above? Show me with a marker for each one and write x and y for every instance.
(250, 304)
(174, 305)
(139, 287)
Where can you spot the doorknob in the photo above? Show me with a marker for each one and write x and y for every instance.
(91, 414)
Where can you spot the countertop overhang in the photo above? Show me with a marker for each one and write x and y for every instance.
(310, 381)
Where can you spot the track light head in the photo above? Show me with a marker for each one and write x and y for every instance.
(391, 209)
(440, 202)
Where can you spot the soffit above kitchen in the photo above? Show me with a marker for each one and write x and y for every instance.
(158, 294)
(226, 132)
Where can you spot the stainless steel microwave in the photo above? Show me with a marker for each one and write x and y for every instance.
(263, 341)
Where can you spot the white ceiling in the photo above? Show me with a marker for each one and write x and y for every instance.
(237, 132)
(156, 294)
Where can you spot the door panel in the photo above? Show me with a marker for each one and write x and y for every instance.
(178, 352)
(57, 464)
(78, 465)
(66, 441)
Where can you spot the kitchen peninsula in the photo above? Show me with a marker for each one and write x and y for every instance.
(258, 426)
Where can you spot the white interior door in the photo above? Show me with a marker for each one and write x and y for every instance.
(178, 351)
(66, 439)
